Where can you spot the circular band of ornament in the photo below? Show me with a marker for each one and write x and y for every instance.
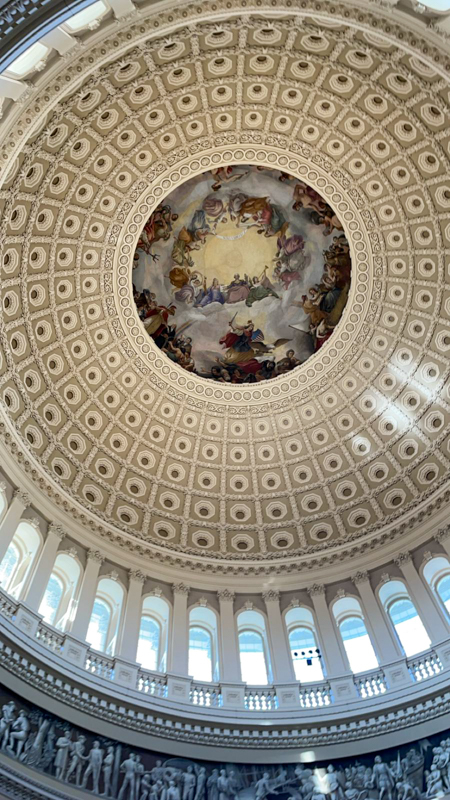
(332, 353)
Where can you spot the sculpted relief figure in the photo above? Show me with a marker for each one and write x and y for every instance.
(94, 767)
(63, 745)
(20, 729)
(8, 717)
(129, 768)
(108, 763)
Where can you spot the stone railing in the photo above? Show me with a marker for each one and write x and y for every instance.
(314, 698)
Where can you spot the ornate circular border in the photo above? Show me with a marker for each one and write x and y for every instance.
(331, 355)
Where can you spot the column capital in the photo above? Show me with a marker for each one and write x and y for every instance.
(137, 576)
(57, 530)
(316, 590)
(95, 555)
(360, 577)
(181, 588)
(22, 496)
(403, 558)
(442, 534)
(271, 596)
(225, 596)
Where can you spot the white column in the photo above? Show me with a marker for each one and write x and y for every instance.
(426, 606)
(38, 583)
(179, 651)
(327, 633)
(229, 648)
(282, 667)
(385, 643)
(132, 616)
(10, 521)
(87, 595)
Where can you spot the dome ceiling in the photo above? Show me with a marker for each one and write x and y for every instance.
(327, 455)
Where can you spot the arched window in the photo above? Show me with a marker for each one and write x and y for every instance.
(203, 644)
(443, 590)
(18, 559)
(253, 660)
(305, 653)
(253, 648)
(404, 617)
(105, 616)
(360, 653)
(436, 572)
(149, 642)
(409, 627)
(153, 634)
(358, 647)
(57, 605)
(200, 654)
(51, 599)
(8, 566)
(98, 626)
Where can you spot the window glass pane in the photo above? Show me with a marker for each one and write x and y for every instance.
(443, 590)
(148, 645)
(360, 653)
(253, 661)
(99, 624)
(200, 654)
(410, 630)
(51, 599)
(8, 565)
(307, 666)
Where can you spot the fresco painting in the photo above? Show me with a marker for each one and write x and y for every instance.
(241, 274)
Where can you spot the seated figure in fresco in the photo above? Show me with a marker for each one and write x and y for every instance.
(238, 289)
(212, 294)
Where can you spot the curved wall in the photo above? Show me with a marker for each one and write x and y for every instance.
(40, 746)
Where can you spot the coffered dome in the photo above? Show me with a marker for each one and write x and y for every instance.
(337, 454)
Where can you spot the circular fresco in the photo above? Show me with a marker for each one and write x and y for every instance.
(241, 274)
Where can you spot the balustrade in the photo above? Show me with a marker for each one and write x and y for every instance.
(313, 696)
(100, 665)
(370, 685)
(425, 666)
(260, 699)
(50, 637)
(150, 683)
(205, 695)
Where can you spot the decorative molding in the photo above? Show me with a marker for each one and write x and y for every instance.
(271, 596)
(95, 555)
(403, 558)
(316, 590)
(137, 576)
(385, 578)
(226, 596)
(360, 577)
(57, 530)
(24, 498)
(181, 588)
